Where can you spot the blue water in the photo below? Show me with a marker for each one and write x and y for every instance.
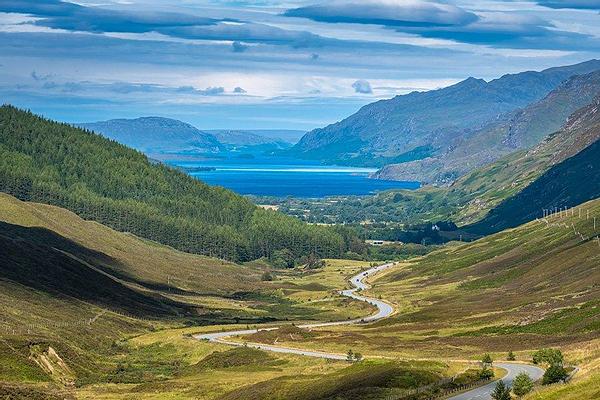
(282, 177)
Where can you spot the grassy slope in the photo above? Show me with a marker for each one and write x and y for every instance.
(58, 271)
(532, 285)
(488, 186)
(567, 184)
(365, 380)
(586, 382)
(149, 262)
(535, 285)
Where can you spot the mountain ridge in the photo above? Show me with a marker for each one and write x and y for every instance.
(520, 129)
(386, 129)
(155, 134)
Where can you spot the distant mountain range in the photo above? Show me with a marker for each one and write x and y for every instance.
(520, 129)
(456, 120)
(157, 135)
(257, 136)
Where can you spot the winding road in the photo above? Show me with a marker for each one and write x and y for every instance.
(483, 392)
(383, 310)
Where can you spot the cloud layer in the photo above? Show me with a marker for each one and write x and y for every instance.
(273, 64)
(386, 12)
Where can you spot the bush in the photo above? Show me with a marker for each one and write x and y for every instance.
(487, 361)
(511, 356)
(555, 373)
(313, 262)
(548, 356)
(350, 356)
(501, 391)
(522, 384)
(267, 276)
(486, 373)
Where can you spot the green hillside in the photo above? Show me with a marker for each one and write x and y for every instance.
(533, 286)
(471, 197)
(565, 185)
(76, 295)
(104, 181)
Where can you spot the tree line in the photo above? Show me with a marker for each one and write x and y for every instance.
(104, 181)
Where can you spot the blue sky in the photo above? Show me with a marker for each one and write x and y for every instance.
(270, 63)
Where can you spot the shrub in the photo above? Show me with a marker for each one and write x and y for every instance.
(522, 384)
(501, 391)
(486, 373)
(549, 356)
(267, 276)
(555, 373)
(511, 356)
(350, 356)
(487, 361)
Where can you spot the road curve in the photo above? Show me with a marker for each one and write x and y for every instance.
(358, 281)
(383, 310)
(484, 392)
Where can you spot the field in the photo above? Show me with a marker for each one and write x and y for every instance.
(78, 300)
(128, 333)
(529, 287)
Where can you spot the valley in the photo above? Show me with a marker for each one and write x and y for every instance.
(216, 235)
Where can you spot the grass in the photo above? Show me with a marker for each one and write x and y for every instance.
(364, 380)
(533, 286)
(113, 308)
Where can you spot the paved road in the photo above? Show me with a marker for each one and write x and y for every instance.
(483, 392)
(358, 281)
(383, 310)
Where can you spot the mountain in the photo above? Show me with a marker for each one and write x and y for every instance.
(565, 185)
(156, 135)
(514, 131)
(425, 124)
(285, 137)
(99, 179)
(471, 197)
(255, 141)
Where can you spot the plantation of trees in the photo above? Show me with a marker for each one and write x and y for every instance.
(101, 180)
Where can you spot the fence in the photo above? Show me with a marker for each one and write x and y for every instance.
(564, 217)
(436, 390)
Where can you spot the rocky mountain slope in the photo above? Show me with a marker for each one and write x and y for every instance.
(517, 130)
(426, 124)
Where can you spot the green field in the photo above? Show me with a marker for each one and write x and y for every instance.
(81, 301)
(92, 313)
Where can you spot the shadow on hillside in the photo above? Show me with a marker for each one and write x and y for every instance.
(45, 261)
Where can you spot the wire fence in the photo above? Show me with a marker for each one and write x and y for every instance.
(582, 221)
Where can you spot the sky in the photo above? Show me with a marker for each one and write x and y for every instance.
(270, 64)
